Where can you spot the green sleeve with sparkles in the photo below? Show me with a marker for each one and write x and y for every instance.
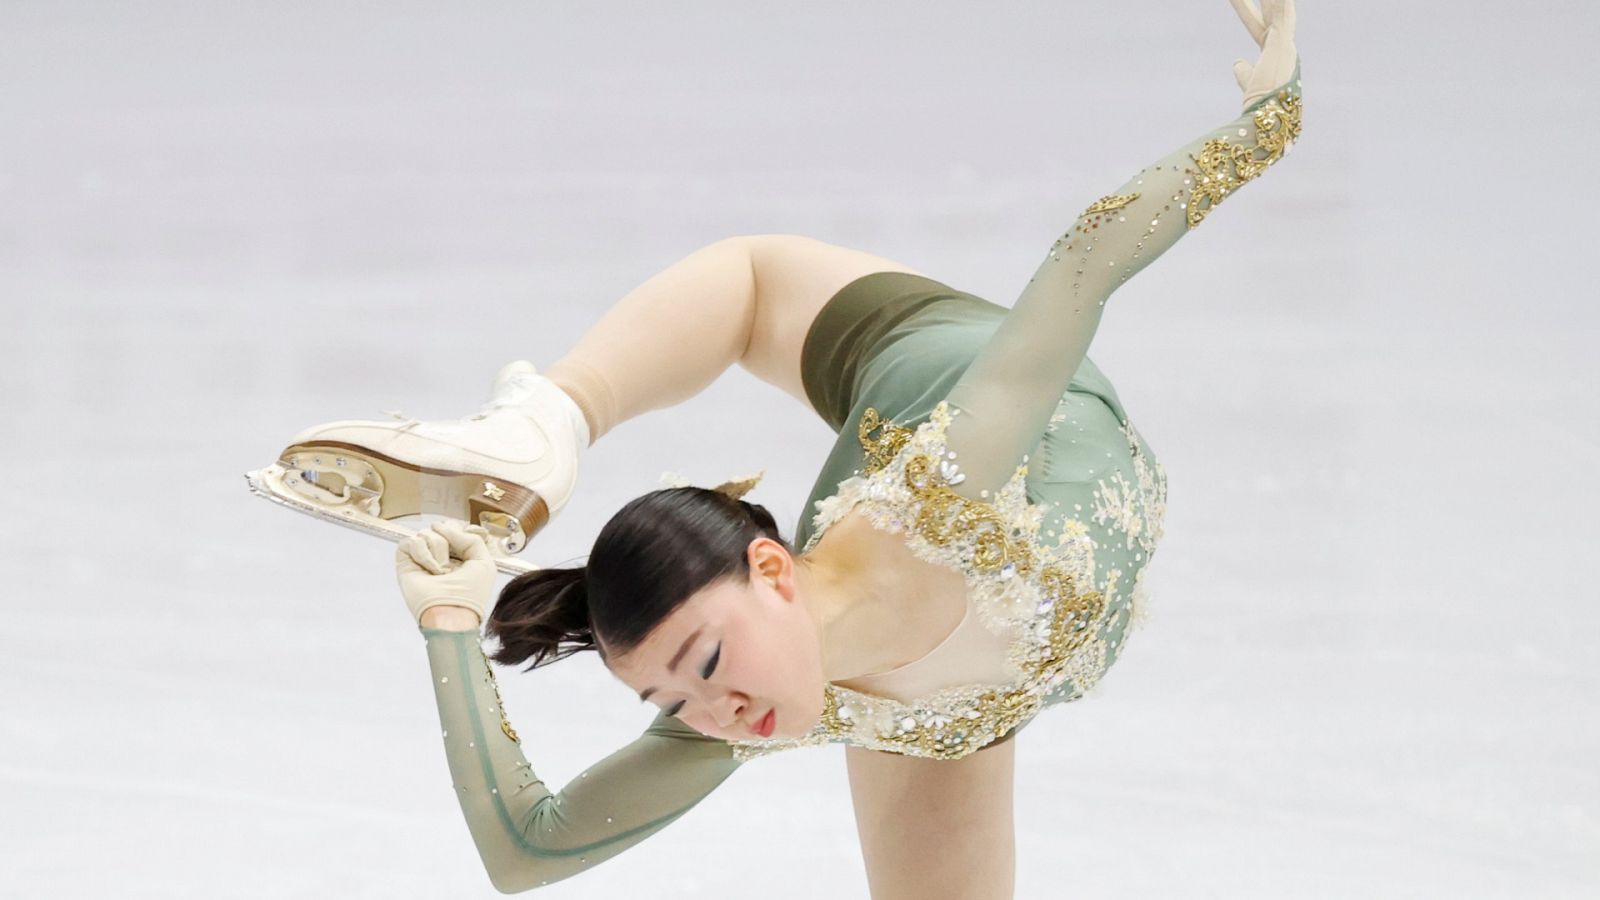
(1005, 399)
(528, 836)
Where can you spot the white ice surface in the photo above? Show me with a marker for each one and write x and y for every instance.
(1371, 378)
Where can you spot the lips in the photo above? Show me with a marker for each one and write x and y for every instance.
(767, 724)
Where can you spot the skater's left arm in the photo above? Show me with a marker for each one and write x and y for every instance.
(1006, 397)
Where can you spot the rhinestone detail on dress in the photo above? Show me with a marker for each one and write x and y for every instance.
(1223, 166)
(1039, 592)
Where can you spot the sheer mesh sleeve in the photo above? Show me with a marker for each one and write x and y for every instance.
(528, 836)
(1004, 400)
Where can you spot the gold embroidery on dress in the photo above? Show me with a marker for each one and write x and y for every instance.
(1224, 166)
(1045, 592)
(505, 724)
(1109, 203)
(1032, 587)
(882, 448)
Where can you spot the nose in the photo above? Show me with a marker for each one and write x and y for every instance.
(727, 711)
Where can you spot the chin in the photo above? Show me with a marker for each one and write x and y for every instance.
(789, 727)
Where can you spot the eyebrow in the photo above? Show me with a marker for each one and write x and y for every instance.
(672, 666)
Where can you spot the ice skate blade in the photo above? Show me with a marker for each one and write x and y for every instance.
(268, 483)
(335, 474)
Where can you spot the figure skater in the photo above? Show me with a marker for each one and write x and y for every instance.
(972, 552)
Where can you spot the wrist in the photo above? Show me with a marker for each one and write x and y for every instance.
(450, 618)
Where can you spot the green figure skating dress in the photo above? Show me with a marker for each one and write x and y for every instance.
(994, 445)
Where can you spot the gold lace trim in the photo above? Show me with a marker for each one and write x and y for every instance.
(1223, 166)
(499, 705)
(883, 448)
(1109, 203)
(1021, 581)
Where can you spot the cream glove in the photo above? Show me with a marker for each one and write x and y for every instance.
(430, 577)
(1273, 30)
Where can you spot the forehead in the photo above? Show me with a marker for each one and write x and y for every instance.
(703, 611)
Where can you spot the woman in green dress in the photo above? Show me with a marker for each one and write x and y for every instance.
(971, 554)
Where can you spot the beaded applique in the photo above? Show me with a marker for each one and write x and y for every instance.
(1039, 593)
(1136, 508)
(499, 705)
(1109, 203)
(1224, 166)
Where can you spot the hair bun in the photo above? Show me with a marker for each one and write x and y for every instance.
(738, 487)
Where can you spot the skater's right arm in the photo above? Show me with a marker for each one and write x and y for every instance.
(527, 835)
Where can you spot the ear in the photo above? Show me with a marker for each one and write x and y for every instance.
(771, 561)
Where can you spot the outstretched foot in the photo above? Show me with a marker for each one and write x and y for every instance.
(509, 468)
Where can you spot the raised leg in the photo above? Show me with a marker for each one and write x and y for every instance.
(749, 299)
(665, 340)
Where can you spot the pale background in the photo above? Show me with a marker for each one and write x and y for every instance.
(1370, 670)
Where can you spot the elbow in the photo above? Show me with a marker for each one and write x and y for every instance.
(513, 861)
(515, 879)
(514, 882)
(526, 873)
(506, 887)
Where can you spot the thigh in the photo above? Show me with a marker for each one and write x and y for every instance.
(933, 829)
(795, 276)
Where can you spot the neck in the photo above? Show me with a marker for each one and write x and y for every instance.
(854, 611)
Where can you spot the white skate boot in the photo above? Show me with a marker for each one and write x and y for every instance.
(509, 468)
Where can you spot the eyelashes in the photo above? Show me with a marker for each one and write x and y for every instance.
(710, 667)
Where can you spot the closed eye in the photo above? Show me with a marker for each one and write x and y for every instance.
(710, 667)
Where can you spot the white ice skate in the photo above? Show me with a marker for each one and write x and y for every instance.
(509, 468)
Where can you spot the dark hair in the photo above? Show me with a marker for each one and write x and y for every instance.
(654, 554)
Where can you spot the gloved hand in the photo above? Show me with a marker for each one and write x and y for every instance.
(429, 576)
(1273, 31)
